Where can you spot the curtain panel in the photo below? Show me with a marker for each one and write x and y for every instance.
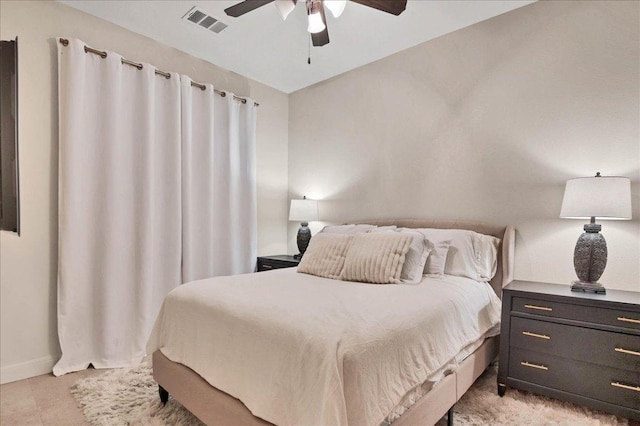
(156, 187)
(219, 210)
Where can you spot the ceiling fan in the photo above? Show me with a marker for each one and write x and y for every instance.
(316, 12)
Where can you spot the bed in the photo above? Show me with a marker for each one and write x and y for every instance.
(375, 377)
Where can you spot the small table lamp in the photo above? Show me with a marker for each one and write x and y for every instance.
(305, 211)
(605, 197)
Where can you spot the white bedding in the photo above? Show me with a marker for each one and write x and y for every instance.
(304, 350)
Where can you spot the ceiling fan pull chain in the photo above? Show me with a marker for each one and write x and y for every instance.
(309, 57)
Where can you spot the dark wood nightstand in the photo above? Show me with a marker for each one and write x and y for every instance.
(578, 347)
(267, 263)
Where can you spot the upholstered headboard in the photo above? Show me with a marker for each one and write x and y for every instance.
(504, 273)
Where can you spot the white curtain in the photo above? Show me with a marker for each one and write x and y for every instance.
(157, 186)
(119, 206)
(219, 207)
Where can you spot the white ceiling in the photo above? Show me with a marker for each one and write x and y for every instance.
(263, 47)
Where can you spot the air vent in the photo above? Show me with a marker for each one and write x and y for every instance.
(202, 19)
(208, 21)
(218, 26)
(196, 16)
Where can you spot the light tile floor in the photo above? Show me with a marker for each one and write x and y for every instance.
(42, 401)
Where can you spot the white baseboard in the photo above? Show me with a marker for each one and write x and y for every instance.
(25, 370)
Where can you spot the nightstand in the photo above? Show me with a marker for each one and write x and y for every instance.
(578, 347)
(267, 263)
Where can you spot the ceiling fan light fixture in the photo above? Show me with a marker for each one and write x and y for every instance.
(335, 6)
(316, 24)
(285, 7)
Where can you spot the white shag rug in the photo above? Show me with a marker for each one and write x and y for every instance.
(130, 397)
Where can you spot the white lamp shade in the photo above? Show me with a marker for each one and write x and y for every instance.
(606, 197)
(315, 23)
(303, 210)
(336, 7)
(285, 7)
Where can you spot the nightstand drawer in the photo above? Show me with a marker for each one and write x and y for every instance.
(598, 315)
(267, 263)
(616, 350)
(621, 387)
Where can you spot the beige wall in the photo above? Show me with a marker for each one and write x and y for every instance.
(29, 342)
(486, 123)
(272, 168)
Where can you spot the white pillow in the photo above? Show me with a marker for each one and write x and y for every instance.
(346, 229)
(437, 257)
(461, 258)
(415, 258)
(470, 254)
(487, 255)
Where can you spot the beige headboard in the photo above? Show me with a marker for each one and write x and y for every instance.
(507, 234)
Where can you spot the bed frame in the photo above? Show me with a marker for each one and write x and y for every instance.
(215, 407)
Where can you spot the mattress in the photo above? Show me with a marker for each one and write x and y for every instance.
(299, 349)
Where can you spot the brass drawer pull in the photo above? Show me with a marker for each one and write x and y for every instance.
(620, 385)
(631, 320)
(540, 308)
(539, 367)
(627, 351)
(539, 336)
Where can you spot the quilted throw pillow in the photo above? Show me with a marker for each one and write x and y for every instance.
(376, 257)
(415, 258)
(325, 255)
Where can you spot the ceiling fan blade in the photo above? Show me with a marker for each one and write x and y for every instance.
(321, 38)
(394, 7)
(285, 7)
(245, 7)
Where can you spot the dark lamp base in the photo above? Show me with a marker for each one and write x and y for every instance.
(304, 236)
(590, 254)
(588, 287)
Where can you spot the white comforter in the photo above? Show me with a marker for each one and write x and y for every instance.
(302, 350)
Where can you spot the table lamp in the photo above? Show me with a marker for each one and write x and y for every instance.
(604, 197)
(304, 211)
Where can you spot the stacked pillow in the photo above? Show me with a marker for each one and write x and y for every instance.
(388, 254)
(487, 256)
(465, 253)
(437, 257)
(352, 229)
